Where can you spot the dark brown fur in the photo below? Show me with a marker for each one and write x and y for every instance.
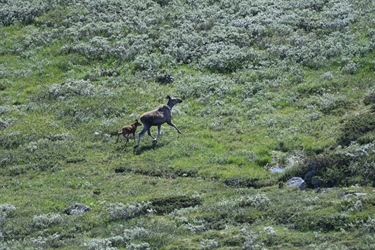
(158, 116)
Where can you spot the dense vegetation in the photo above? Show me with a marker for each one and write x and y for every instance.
(285, 85)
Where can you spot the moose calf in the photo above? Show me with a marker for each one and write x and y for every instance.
(127, 130)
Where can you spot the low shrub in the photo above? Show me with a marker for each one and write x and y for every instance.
(248, 182)
(124, 239)
(5, 210)
(343, 167)
(120, 211)
(251, 240)
(369, 98)
(167, 205)
(21, 11)
(369, 226)
(60, 91)
(259, 201)
(47, 220)
(209, 244)
(164, 78)
(138, 246)
(356, 127)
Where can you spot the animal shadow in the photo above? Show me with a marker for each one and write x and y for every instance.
(138, 150)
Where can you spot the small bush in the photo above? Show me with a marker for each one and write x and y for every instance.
(51, 241)
(369, 98)
(26, 12)
(368, 226)
(343, 167)
(209, 244)
(120, 211)
(259, 201)
(47, 220)
(357, 127)
(196, 226)
(164, 78)
(138, 246)
(167, 205)
(350, 68)
(248, 182)
(135, 233)
(95, 244)
(71, 88)
(225, 59)
(5, 210)
(126, 239)
(327, 76)
(251, 240)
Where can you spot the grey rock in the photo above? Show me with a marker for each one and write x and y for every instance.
(77, 209)
(296, 182)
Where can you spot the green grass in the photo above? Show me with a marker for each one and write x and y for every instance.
(256, 95)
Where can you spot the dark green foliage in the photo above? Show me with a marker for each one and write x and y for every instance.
(2, 86)
(337, 169)
(158, 171)
(309, 164)
(310, 220)
(248, 182)
(357, 127)
(162, 2)
(164, 78)
(369, 99)
(167, 205)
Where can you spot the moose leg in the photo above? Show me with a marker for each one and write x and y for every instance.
(172, 125)
(157, 136)
(145, 128)
(149, 133)
(118, 136)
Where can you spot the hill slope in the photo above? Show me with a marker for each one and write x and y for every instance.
(265, 84)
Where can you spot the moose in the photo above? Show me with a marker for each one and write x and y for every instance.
(127, 130)
(157, 117)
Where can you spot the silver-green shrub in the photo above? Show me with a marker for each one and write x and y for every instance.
(250, 240)
(138, 246)
(47, 220)
(369, 225)
(135, 233)
(218, 36)
(5, 210)
(45, 242)
(259, 201)
(99, 244)
(70, 88)
(209, 244)
(21, 11)
(196, 226)
(126, 239)
(120, 211)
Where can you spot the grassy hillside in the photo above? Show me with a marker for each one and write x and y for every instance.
(265, 85)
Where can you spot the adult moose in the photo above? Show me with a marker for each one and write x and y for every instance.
(156, 117)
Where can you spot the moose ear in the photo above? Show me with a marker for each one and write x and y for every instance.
(168, 97)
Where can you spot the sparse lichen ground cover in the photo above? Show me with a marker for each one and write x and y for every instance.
(266, 84)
